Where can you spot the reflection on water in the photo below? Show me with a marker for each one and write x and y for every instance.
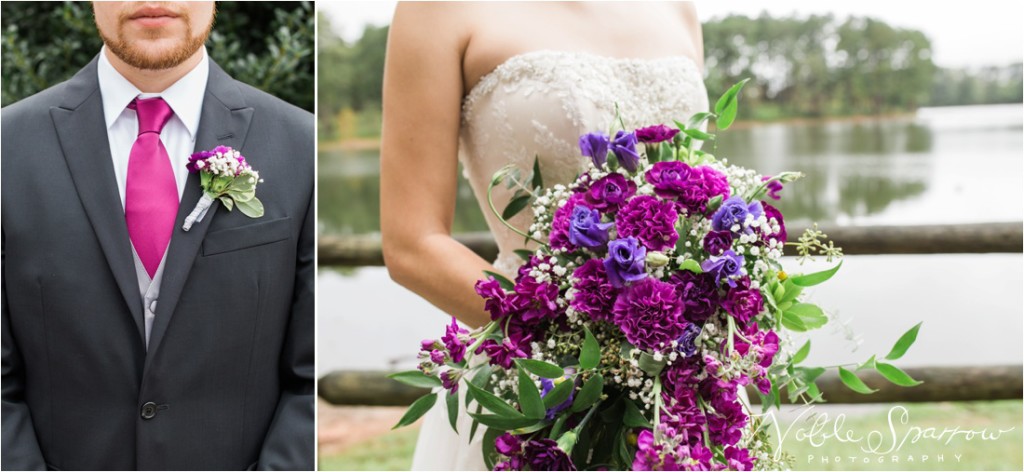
(943, 165)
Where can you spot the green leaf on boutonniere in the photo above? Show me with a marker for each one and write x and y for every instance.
(416, 410)
(227, 202)
(252, 208)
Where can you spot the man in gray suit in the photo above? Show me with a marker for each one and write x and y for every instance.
(129, 343)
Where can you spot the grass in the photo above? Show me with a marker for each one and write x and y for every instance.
(393, 451)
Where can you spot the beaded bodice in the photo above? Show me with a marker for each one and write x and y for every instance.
(539, 103)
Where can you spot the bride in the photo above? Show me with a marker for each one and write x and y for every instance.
(489, 84)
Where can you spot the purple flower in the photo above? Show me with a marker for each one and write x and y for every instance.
(610, 192)
(717, 242)
(508, 444)
(742, 302)
(772, 212)
(450, 379)
(738, 459)
(763, 344)
(714, 182)
(656, 134)
(547, 385)
(594, 294)
(687, 342)
(671, 178)
(544, 454)
(561, 222)
(653, 456)
(733, 212)
(428, 345)
(507, 352)
(496, 300)
(454, 340)
(648, 455)
(650, 314)
(586, 228)
(536, 300)
(650, 220)
(624, 147)
(723, 266)
(699, 293)
(774, 187)
(437, 357)
(595, 146)
(625, 262)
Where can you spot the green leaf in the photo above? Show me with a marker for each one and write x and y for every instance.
(809, 374)
(515, 206)
(714, 203)
(811, 316)
(810, 280)
(452, 402)
(697, 119)
(503, 423)
(502, 280)
(560, 393)
(896, 375)
(698, 134)
(541, 368)
(589, 394)
(868, 364)
(666, 153)
(653, 153)
(590, 353)
(727, 105)
(489, 449)
(529, 397)
(416, 379)
(790, 292)
(793, 322)
(227, 202)
(853, 382)
(802, 353)
(649, 365)
(494, 404)
(418, 408)
(904, 343)
(524, 254)
(538, 181)
(633, 417)
(252, 208)
(692, 266)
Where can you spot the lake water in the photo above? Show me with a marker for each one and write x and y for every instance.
(941, 166)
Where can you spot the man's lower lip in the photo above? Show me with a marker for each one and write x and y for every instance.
(153, 21)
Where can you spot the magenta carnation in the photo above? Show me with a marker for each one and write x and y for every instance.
(609, 192)
(742, 302)
(650, 220)
(594, 294)
(656, 134)
(650, 314)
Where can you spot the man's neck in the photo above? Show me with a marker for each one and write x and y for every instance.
(153, 81)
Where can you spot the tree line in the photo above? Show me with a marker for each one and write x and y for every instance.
(810, 67)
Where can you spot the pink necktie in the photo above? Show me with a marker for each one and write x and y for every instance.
(151, 194)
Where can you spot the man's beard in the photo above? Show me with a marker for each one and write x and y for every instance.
(137, 57)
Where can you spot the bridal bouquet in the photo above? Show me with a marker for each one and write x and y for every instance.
(656, 293)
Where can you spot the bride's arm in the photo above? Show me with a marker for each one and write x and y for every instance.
(419, 166)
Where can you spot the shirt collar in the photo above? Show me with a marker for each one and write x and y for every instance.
(185, 97)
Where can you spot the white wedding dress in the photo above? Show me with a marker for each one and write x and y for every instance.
(538, 104)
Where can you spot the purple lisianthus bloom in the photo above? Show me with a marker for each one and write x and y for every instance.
(772, 212)
(544, 454)
(625, 262)
(650, 220)
(656, 134)
(724, 266)
(595, 146)
(561, 222)
(774, 187)
(738, 458)
(650, 314)
(505, 353)
(699, 293)
(508, 444)
(717, 242)
(624, 147)
(610, 192)
(594, 294)
(547, 385)
(742, 302)
(454, 340)
(733, 212)
(586, 228)
(688, 341)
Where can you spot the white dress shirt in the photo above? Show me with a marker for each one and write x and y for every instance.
(185, 97)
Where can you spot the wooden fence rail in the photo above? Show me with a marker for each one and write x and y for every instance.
(1004, 382)
(355, 251)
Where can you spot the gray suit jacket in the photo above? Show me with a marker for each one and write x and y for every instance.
(228, 380)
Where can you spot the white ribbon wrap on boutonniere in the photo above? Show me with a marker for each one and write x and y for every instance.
(224, 175)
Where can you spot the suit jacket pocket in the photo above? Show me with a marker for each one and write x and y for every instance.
(258, 234)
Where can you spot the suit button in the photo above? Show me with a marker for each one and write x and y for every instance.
(148, 411)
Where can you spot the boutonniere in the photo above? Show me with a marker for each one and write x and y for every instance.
(225, 176)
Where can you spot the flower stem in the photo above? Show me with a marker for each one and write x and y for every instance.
(483, 335)
(490, 202)
(657, 404)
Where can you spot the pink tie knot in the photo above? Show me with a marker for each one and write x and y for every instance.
(153, 114)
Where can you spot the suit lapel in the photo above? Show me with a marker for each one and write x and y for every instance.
(224, 120)
(82, 132)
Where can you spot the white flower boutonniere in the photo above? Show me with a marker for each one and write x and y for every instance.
(224, 175)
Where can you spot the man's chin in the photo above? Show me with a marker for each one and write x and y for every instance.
(158, 54)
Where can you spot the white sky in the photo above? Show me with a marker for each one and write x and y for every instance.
(975, 33)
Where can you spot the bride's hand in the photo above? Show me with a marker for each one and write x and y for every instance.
(419, 166)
